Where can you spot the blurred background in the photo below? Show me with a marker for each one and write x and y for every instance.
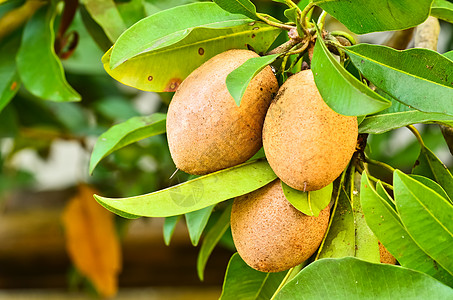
(45, 188)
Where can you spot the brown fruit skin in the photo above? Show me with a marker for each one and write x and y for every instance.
(206, 130)
(270, 234)
(385, 256)
(306, 143)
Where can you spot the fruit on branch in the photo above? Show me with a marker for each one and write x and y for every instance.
(206, 130)
(270, 234)
(306, 143)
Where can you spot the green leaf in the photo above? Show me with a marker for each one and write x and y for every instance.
(382, 192)
(432, 185)
(351, 278)
(340, 240)
(427, 217)
(387, 226)
(39, 67)
(243, 7)
(169, 228)
(310, 203)
(196, 222)
(238, 80)
(9, 78)
(123, 134)
(291, 14)
(169, 27)
(194, 194)
(211, 239)
(243, 282)
(449, 55)
(411, 76)
(377, 15)
(339, 89)
(105, 13)
(442, 9)
(166, 68)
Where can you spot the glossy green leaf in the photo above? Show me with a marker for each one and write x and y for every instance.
(211, 239)
(420, 208)
(105, 13)
(387, 226)
(442, 9)
(9, 78)
(123, 134)
(449, 55)
(411, 76)
(194, 194)
(382, 192)
(169, 228)
(363, 16)
(339, 89)
(353, 279)
(431, 184)
(243, 7)
(243, 282)
(340, 239)
(39, 68)
(238, 80)
(196, 222)
(166, 68)
(310, 203)
(169, 27)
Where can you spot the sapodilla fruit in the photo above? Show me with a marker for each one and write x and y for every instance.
(306, 143)
(206, 130)
(385, 256)
(270, 234)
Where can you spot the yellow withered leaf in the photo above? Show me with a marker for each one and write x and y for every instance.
(92, 242)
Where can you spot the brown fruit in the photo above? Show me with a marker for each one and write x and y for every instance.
(306, 143)
(270, 234)
(206, 130)
(386, 256)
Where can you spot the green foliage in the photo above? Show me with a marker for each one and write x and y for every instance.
(310, 203)
(243, 7)
(106, 14)
(442, 9)
(196, 222)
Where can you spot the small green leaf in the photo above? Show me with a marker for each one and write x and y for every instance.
(432, 185)
(243, 282)
(309, 203)
(411, 76)
(339, 89)
(382, 192)
(386, 224)
(354, 279)
(238, 80)
(442, 9)
(243, 7)
(105, 13)
(212, 238)
(170, 26)
(196, 222)
(123, 134)
(39, 67)
(194, 194)
(9, 78)
(377, 15)
(169, 228)
(427, 217)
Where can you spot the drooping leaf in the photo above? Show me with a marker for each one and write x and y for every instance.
(411, 76)
(442, 9)
(387, 226)
(427, 217)
(105, 13)
(123, 134)
(211, 239)
(243, 282)
(169, 228)
(339, 89)
(39, 68)
(196, 222)
(353, 279)
(166, 68)
(238, 80)
(432, 185)
(310, 203)
(92, 242)
(194, 194)
(243, 7)
(170, 26)
(378, 15)
(9, 78)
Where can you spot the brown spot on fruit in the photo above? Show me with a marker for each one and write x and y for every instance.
(200, 51)
(173, 85)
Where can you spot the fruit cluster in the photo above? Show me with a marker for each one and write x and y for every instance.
(306, 143)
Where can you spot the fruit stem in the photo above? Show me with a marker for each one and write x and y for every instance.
(417, 134)
(266, 20)
(284, 47)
